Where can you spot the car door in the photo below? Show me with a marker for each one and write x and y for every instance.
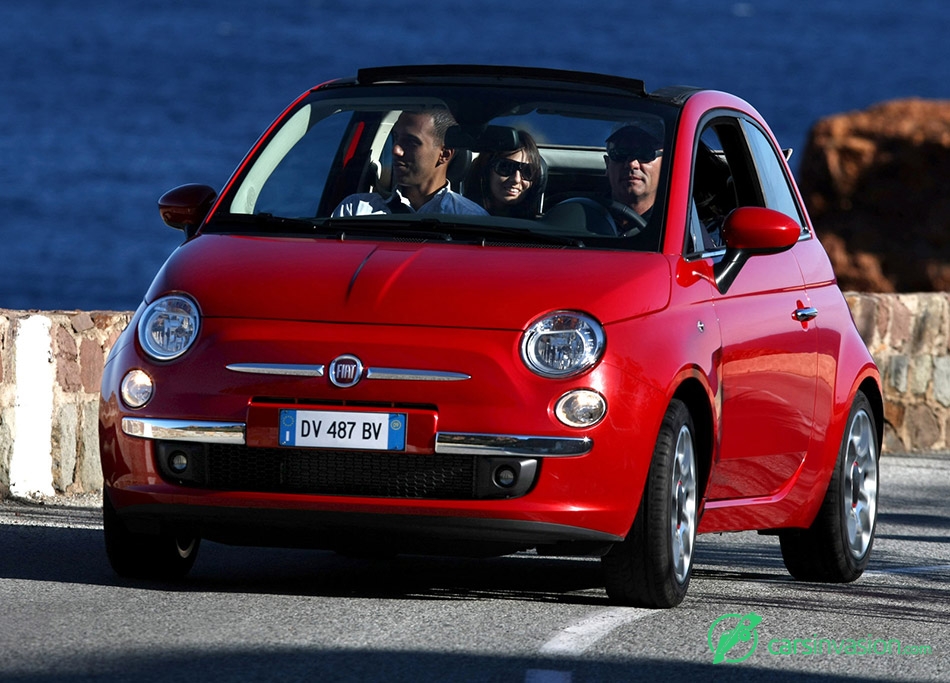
(769, 361)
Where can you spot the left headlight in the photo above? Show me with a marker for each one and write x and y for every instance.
(169, 327)
(562, 344)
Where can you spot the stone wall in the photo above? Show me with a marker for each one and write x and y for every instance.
(909, 337)
(50, 368)
(51, 364)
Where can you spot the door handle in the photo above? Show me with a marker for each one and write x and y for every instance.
(803, 315)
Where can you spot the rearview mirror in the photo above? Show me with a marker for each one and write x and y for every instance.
(185, 207)
(752, 231)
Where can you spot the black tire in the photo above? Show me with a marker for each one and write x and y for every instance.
(837, 546)
(653, 565)
(163, 557)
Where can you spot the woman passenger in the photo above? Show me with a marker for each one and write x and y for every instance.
(508, 183)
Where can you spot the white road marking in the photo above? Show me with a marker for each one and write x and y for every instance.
(580, 636)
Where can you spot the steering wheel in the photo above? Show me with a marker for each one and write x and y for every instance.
(624, 215)
(600, 216)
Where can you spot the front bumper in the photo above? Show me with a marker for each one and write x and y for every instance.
(286, 524)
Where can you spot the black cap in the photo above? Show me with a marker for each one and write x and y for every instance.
(633, 133)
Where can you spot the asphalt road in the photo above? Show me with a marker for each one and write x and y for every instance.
(250, 614)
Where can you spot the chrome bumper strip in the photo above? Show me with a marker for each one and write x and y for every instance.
(445, 442)
(507, 444)
(184, 430)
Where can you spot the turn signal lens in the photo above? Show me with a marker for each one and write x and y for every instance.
(581, 408)
(136, 388)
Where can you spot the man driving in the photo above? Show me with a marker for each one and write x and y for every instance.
(633, 159)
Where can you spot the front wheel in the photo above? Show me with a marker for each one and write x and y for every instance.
(836, 548)
(653, 565)
(146, 556)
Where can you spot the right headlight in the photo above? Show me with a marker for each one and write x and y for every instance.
(562, 344)
(169, 326)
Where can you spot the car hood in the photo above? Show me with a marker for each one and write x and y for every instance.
(447, 285)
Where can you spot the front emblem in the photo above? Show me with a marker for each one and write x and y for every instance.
(345, 371)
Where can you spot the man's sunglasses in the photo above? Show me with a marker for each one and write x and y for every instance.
(507, 167)
(625, 155)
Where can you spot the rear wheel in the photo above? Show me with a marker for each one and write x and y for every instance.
(146, 556)
(653, 565)
(837, 546)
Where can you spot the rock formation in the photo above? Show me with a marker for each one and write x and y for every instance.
(877, 186)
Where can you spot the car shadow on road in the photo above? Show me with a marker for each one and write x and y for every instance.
(899, 584)
(71, 555)
(724, 564)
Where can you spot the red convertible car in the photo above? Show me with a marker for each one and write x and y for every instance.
(464, 309)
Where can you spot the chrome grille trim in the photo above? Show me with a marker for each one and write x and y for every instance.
(403, 374)
(415, 375)
(278, 369)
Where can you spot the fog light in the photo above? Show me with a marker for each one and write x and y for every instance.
(581, 408)
(505, 476)
(178, 462)
(136, 388)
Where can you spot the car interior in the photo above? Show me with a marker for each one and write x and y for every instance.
(344, 150)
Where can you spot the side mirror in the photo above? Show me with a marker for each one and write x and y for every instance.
(752, 231)
(185, 207)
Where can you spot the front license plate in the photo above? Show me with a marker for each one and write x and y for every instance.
(343, 430)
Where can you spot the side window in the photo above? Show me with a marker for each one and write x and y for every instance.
(713, 195)
(771, 173)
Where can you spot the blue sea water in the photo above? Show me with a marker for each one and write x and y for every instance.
(106, 104)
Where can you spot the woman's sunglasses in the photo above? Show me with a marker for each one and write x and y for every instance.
(507, 167)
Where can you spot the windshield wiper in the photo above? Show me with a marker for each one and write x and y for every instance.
(387, 225)
(447, 227)
(443, 227)
(494, 232)
(261, 222)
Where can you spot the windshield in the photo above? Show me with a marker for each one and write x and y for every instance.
(572, 168)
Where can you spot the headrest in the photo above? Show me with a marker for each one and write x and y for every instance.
(483, 138)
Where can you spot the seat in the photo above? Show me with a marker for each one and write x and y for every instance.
(458, 169)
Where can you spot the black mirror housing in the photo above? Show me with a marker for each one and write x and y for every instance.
(186, 206)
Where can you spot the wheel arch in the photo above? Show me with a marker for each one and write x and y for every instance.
(872, 390)
(694, 395)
